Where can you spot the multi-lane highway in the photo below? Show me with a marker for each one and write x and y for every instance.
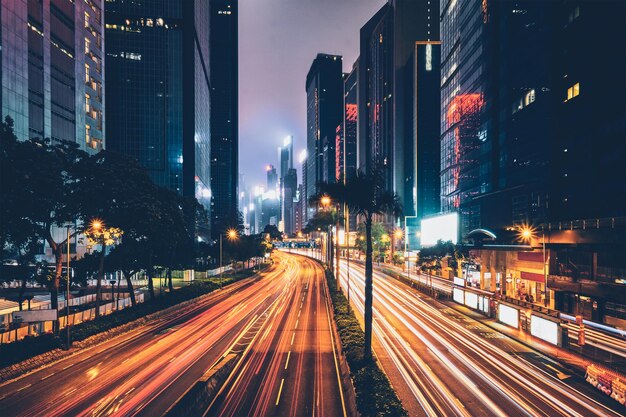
(143, 372)
(290, 368)
(444, 363)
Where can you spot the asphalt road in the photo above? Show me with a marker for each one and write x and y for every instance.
(145, 371)
(443, 363)
(290, 367)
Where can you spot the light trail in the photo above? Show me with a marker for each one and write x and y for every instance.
(405, 323)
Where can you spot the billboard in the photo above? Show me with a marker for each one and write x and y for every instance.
(508, 315)
(33, 316)
(544, 329)
(444, 227)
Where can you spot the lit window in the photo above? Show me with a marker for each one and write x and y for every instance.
(529, 98)
(87, 132)
(87, 106)
(573, 91)
(86, 73)
(86, 19)
(87, 42)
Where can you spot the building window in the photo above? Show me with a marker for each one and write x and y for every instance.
(86, 19)
(86, 73)
(573, 91)
(87, 106)
(87, 42)
(87, 133)
(529, 98)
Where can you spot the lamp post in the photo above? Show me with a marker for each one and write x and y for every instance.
(526, 234)
(231, 234)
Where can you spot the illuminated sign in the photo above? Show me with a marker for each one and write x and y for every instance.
(471, 300)
(457, 295)
(508, 315)
(544, 329)
(444, 227)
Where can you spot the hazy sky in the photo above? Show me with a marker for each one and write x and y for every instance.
(278, 40)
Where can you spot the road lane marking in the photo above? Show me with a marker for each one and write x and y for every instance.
(292, 337)
(297, 323)
(47, 376)
(280, 390)
(68, 366)
(287, 361)
(24, 387)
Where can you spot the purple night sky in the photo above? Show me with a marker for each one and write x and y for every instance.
(278, 40)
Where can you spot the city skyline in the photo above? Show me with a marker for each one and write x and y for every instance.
(268, 122)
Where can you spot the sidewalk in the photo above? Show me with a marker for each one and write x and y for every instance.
(573, 361)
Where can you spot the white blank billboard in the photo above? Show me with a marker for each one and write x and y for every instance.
(544, 329)
(508, 315)
(444, 227)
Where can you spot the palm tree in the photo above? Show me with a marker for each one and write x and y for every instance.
(366, 197)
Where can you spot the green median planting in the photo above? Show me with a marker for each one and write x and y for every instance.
(374, 394)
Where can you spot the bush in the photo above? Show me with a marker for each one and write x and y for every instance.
(374, 394)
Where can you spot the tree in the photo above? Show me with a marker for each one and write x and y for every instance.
(42, 186)
(365, 196)
(273, 231)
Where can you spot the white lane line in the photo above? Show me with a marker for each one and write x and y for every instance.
(24, 387)
(292, 337)
(280, 390)
(68, 366)
(47, 376)
(287, 361)
(297, 323)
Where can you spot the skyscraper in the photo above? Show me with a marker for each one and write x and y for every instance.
(159, 105)
(52, 70)
(324, 103)
(224, 112)
(288, 184)
(349, 127)
(398, 101)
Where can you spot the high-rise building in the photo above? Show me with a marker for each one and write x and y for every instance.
(349, 126)
(158, 108)
(52, 70)
(288, 184)
(272, 178)
(324, 103)
(516, 123)
(224, 112)
(398, 102)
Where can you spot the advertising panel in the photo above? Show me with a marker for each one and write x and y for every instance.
(34, 316)
(471, 300)
(508, 315)
(457, 295)
(459, 281)
(444, 227)
(547, 330)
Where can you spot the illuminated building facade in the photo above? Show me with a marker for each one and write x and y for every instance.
(398, 103)
(224, 113)
(347, 166)
(525, 144)
(159, 105)
(324, 91)
(52, 70)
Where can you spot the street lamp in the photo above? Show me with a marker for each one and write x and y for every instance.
(231, 234)
(525, 234)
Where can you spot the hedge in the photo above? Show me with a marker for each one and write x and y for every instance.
(374, 394)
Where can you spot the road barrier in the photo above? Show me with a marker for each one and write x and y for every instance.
(36, 329)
